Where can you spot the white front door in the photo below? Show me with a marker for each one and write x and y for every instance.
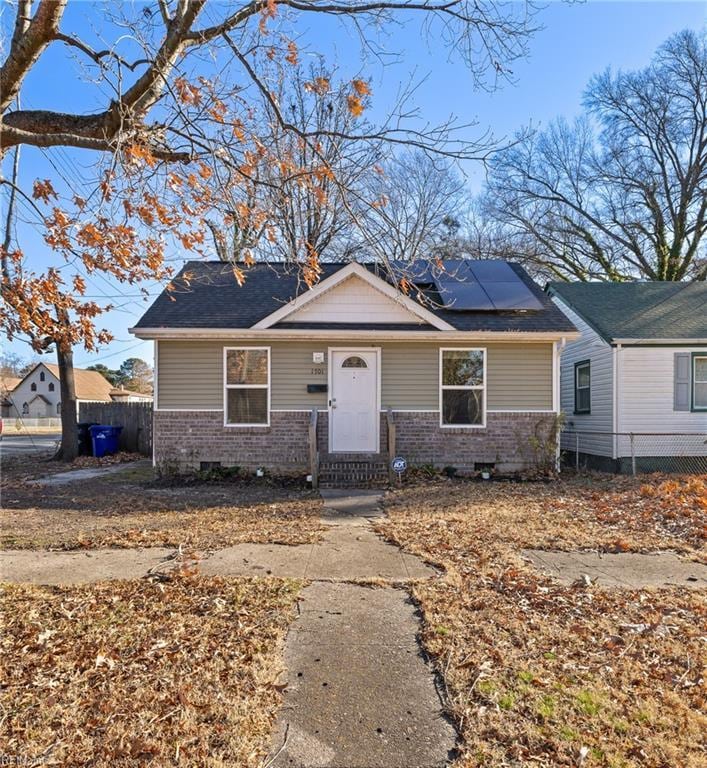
(353, 412)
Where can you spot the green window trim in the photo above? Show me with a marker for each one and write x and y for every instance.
(584, 391)
(695, 381)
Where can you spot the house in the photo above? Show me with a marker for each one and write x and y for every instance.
(639, 367)
(274, 374)
(7, 384)
(38, 394)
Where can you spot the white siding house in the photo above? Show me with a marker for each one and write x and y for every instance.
(38, 394)
(642, 356)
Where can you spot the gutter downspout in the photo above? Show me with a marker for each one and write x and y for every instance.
(557, 349)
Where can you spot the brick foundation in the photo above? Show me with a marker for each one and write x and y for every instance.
(186, 438)
(506, 441)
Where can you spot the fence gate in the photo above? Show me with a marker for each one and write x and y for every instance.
(134, 418)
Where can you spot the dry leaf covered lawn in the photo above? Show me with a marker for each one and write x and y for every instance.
(138, 673)
(127, 510)
(541, 674)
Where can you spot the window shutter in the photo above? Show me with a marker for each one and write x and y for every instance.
(681, 382)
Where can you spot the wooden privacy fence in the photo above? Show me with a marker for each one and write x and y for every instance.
(134, 418)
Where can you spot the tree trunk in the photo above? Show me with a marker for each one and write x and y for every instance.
(69, 421)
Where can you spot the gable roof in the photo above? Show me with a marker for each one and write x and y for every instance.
(207, 295)
(90, 385)
(639, 311)
(411, 311)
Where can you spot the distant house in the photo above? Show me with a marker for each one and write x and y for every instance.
(639, 367)
(38, 394)
(7, 384)
(278, 375)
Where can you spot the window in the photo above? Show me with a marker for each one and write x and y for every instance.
(41, 376)
(699, 382)
(33, 387)
(582, 387)
(25, 409)
(51, 386)
(354, 362)
(58, 407)
(247, 386)
(462, 387)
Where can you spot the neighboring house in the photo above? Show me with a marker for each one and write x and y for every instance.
(7, 384)
(38, 394)
(240, 372)
(640, 366)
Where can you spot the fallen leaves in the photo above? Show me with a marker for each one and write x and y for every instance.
(126, 510)
(542, 674)
(182, 673)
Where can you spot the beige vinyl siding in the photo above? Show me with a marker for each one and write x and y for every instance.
(353, 301)
(190, 374)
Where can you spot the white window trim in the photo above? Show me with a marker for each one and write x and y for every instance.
(443, 387)
(227, 386)
(694, 407)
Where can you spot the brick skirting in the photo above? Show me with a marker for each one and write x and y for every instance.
(507, 441)
(186, 438)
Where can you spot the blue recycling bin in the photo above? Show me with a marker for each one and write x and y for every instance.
(104, 439)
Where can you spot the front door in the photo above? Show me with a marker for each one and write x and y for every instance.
(353, 411)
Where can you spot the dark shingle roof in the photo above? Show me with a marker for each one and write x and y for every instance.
(207, 295)
(639, 310)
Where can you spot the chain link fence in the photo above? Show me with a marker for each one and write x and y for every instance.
(635, 452)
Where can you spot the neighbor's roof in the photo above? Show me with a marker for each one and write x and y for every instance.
(8, 383)
(212, 298)
(639, 310)
(90, 385)
(121, 392)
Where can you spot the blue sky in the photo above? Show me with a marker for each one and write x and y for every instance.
(578, 40)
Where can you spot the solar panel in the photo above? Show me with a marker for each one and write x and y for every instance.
(463, 296)
(492, 271)
(511, 295)
(466, 285)
(418, 272)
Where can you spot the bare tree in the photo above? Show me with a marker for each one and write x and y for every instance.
(413, 208)
(621, 193)
(179, 84)
(301, 220)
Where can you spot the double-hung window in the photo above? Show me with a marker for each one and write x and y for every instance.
(583, 387)
(462, 387)
(699, 382)
(247, 386)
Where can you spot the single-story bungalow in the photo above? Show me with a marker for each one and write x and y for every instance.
(634, 386)
(461, 370)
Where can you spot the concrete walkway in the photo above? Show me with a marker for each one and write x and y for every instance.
(82, 567)
(78, 475)
(626, 569)
(359, 692)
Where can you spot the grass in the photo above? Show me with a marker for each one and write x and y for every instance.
(542, 674)
(128, 510)
(137, 673)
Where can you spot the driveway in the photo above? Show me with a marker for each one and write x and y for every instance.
(21, 445)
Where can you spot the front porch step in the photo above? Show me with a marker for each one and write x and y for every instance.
(353, 471)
